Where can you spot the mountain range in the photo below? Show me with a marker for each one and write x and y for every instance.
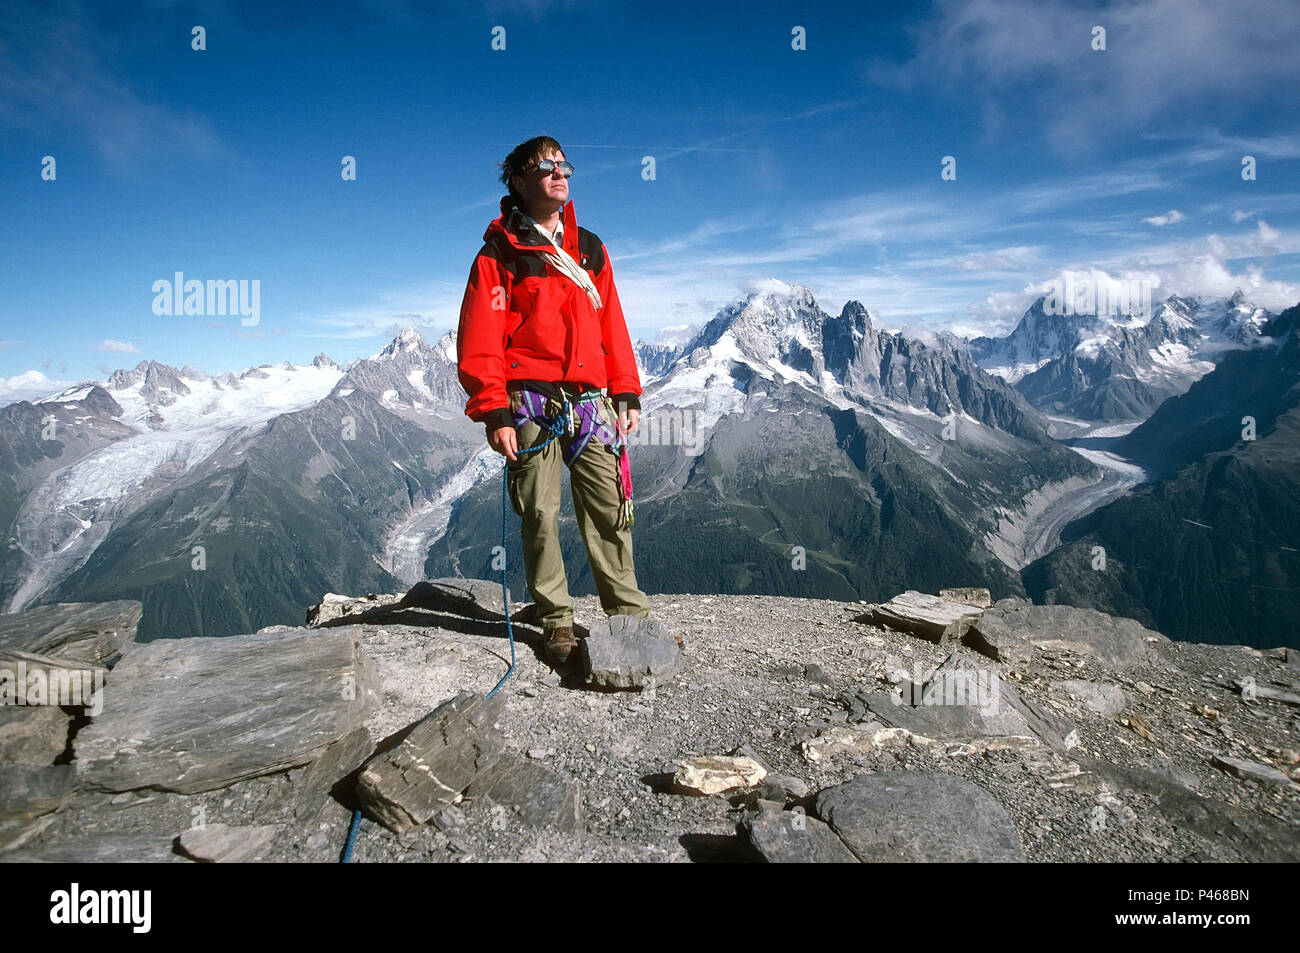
(1104, 368)
(1210, 548)
(784, 450)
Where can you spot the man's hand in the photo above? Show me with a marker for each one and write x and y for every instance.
(504, 441)
(628, 419)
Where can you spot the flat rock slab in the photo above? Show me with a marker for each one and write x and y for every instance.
(536, 795)
(440, 756)
(716, 774)
(32, 734)
(28, 795)
(788, 837)
(312, 784)
(1250, 770)
(919, 817)
(924, 615)
(1164, 768)
(108, 848)
(1013, 628)
(95, 632)
(623, 651)
(192, 715)
(963, 701)
(219, 844)
(471, 598)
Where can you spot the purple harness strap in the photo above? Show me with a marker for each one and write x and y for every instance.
(582, 422)
(587, 421)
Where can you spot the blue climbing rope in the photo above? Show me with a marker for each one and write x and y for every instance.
(555, 427)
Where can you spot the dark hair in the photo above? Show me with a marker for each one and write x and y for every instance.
(524, 157)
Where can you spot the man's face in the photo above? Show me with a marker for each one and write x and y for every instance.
(543, 191)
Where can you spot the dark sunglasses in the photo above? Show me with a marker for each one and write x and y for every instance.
(547, 166)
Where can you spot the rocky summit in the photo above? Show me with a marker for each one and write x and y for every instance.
(932, 727)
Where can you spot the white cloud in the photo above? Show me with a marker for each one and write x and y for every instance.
(1268, 236)
(1034, 58)
(29, 385)
(1239, 217)
(1171, 217)
(125, 347)
(59, 74)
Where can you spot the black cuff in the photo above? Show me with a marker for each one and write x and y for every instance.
(497, 418)
(631, 401)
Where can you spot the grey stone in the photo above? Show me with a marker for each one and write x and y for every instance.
(623, 651)
(471, 598)
(32, 734)
(793, 787)
(788, 837)
(198, 714)
(94, 632)
(436, 761)
(109, 848)
(902, 816)
(747, 751)
(1011, 629)
(1250, 770)
(449, 818)
(1251, 690)
(19, 664)
(924, 615)
(539, 795)
(993, 637)
(1165, 768)
(963, 701)
(313, 783)
(219, 844)
(1229, 832)
(1104, 698)
(29, 794)
(816, 674)
(335, 609)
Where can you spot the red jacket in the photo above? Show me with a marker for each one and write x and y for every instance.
(523, 319)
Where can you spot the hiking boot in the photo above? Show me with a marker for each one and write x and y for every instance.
(559, 643)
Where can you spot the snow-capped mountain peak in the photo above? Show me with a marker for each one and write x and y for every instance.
(779, 325)
(407, 373)
(408, 341)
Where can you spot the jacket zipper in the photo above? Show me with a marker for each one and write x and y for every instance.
(510, 336)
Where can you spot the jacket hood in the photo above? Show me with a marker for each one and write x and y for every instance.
(513, 228)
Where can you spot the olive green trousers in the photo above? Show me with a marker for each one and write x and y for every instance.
(533, 481)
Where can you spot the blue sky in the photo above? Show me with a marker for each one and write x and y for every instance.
(818, 166)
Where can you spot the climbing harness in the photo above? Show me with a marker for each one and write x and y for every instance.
(558, 417)
(559, 412)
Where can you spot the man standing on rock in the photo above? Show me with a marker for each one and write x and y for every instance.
(541, 332)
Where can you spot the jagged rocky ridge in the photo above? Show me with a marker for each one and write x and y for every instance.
(1208, 549)
(1103, 368)
(1103, 742)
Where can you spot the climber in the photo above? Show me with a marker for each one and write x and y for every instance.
(541, 333)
